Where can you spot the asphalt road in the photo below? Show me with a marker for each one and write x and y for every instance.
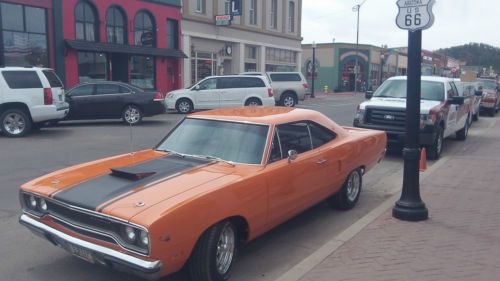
(29, 258)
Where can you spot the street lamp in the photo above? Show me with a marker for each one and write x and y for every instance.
(383, 57)
(313, 71)
(356, 66)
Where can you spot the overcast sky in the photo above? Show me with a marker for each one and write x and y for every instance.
(457, 22)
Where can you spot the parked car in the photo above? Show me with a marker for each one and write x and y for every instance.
(473, 95)
(491, 96)
(219, 179)
(29, 96)
(222, 91)
(443, 112)
(113, 100)
(288, 87)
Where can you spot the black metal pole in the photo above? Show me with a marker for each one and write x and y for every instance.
(313, 71)
(410, 206)
(356, 67)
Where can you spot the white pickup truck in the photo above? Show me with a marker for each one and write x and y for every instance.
(442, 112)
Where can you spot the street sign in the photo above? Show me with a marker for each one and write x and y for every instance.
(236, 7)
(415, 14)
(223, 20)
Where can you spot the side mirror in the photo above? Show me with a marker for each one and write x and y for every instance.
(368, 95)
(456, 100)
(196, 88)
(292, 155)
(478, 93)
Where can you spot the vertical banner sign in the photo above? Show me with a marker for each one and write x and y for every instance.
(414, 16)
(236, 8)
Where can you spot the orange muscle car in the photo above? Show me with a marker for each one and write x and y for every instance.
(219, 179)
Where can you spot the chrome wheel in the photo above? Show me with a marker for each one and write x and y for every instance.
(132, 115)
(353, 186)
(14, 123)
(225, 249)
(289, 101)
(184, 106)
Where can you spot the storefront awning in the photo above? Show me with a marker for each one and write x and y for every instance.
(124, 49)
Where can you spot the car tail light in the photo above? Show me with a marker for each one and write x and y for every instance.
(47, 96)
(270, 92)
(305, 86)
(158, 96)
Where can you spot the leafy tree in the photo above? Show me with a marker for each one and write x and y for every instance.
(479, 54)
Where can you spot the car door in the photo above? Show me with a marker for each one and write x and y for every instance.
(108, 101)
(78, 99)
(232, 91)
(206, 95)
(452, 116)
(297, 184)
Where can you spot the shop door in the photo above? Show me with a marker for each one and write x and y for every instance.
(119, 67)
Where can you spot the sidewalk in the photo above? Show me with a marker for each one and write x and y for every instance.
(459, 241)
(323, 94)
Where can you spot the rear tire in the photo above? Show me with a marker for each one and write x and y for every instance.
(288, 100)
(434, 150)
(253, 102)
(213, 256)
(15, 123)
(132, 115)
(348, 195)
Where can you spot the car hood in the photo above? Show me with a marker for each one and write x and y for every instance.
(126, 185)
(398, 103)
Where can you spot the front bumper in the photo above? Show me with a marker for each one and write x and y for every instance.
(146, 269)
(396, 135)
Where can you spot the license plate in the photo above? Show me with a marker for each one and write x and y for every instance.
(81, 253)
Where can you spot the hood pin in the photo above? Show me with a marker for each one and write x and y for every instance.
(139, 204)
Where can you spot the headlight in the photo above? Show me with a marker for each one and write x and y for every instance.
(43, 205)
(130, 234)
(144, 238)
(135, 238)
(32, 202)
(360, 115)
(170, 95)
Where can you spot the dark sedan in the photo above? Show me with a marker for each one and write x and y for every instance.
(113, 100)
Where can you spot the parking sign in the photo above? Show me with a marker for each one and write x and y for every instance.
(415, 14)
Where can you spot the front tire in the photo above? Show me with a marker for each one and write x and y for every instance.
(348, 195)
(213, 256)
(462, 133)
(15, 123)
(475, 117)
(184, 106)
(434, 151)
(132, 115)
(253, 102)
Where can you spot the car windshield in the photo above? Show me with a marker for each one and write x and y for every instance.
(229, 141)
(430, 90)
(489, 84)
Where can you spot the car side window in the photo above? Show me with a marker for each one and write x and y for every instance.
(107, 89)
(85, 90)
(284, 77)
(229, 83)
(451, 91)
(294, 136)
(275, 154)
(209, 84)
(248, 82)
(22, 79)
(320, 135)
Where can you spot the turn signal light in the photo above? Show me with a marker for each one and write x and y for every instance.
(47, 96)
(158, 96)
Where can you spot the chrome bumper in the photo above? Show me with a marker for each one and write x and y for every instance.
(106, 256)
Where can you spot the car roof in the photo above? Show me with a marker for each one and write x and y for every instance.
(20, 68)
(425, 78)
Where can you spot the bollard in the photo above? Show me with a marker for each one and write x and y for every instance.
(325, 89)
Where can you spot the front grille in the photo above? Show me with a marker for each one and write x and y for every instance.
(386, 117)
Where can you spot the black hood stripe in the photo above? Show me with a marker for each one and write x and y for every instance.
(97, 191)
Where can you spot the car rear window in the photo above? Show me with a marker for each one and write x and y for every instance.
(53, 79)
(107, 89)
(252, 83)
(283, 77)
(22, 79)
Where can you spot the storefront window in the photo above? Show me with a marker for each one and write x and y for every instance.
(144, 27)
(92, 67)
(172, 34)
(85, 22)
(250, 67)
(24, 35)
(203, 64)
(115, 26)
(142, 72)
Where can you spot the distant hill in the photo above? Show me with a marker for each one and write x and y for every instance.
(475, 54)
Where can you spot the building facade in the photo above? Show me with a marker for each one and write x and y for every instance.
(335, 65)
(134, 41)
(265, 37)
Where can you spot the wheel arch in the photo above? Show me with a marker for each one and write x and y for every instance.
(253, 97)
(15, 105)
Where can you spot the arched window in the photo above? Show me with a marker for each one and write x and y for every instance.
(145, 29)
(86, 22)
(116, 28)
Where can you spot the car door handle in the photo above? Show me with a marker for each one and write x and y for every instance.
(321, 162)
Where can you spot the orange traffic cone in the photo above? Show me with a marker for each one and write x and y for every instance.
(423, 160)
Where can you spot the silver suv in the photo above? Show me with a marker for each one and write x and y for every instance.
(288, 87)
(29, 97)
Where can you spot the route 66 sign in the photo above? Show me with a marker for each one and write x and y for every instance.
(415, 14)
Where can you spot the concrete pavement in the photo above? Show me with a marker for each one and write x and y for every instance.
(460, 240)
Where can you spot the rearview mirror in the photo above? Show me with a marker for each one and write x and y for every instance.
(456, 100)
(292, 155)
(368, 95)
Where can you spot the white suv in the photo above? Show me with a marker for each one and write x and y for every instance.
(29, 97)
(222, 91)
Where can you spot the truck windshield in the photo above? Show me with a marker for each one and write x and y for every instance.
(489, 84)
(430, 90)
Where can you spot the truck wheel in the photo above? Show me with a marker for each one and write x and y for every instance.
(462, 133)
(15, 123)
(348, 195)
(288, 100)
(214, 254)
(491, 112)
(434, 151)
(475, 117)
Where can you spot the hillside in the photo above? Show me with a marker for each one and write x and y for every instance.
(475, 54)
